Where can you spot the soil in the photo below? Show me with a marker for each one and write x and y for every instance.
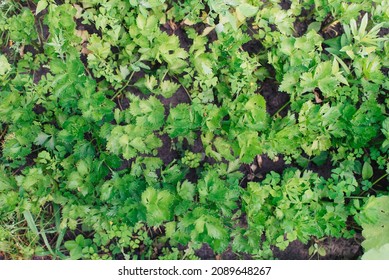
(336, 249)
(274, 99)
(166, 153)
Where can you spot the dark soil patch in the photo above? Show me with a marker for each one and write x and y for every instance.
(172, 28)
(181, 96)
(274, 99)
(166, 153)
(205, 253)
(302, 22)
(39, 109)
(300, 27)
(295, 251)
(383, 32)
(88, 27)
(336, 249)
(122, 102)
(269, 165)
(323, 170)
(285, 4)
(200, 27)
(260, 167)
(253, 46)
(198, 144)
(38, 74)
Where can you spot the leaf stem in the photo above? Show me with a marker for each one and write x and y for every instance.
(282, 108)
(187, 93)
(164, 75)
(379, 179)
(120, 90)
(3, 133)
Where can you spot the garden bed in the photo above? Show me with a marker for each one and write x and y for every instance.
(194, 129)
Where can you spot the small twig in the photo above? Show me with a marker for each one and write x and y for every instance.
(4, 132)
(120, 104)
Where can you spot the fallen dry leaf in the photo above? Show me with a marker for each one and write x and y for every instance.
(79, 11)
(172, 25)
(317, 97)
(83, 34)
(259, 160)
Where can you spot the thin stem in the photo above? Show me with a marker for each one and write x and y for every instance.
(120, 90)
(110, 169)
(282, 108)
(379, 179)
(187, 93)
(3, 132)
(120, 105)
(164, 75)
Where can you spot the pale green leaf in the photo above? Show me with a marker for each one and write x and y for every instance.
(30, 222)
(381, 253)
(367, 171)
(247, 10)
(42, 4)
(4, 65)
(375, 222)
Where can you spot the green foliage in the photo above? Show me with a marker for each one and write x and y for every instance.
(143, 134)
(377, 254)
(129, 140)
(21, 27)
(374, 220)
(191, 159)
(293, 207)
(158, 205)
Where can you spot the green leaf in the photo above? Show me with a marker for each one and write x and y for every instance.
(42, 4)
(203, 64)
(75, 247)
(367, 171)
(168, 88)
(30, 222)
(106, 191)
(186, 190)
(5, 67)
(374, 220)
(223, 148)
(247, 10)
(249, 146)
(215, 231)
(381, 253)
(149, 113)
(158, 205)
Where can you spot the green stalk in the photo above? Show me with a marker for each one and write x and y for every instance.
(120, 90)
(282, 108)
(379, 179)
